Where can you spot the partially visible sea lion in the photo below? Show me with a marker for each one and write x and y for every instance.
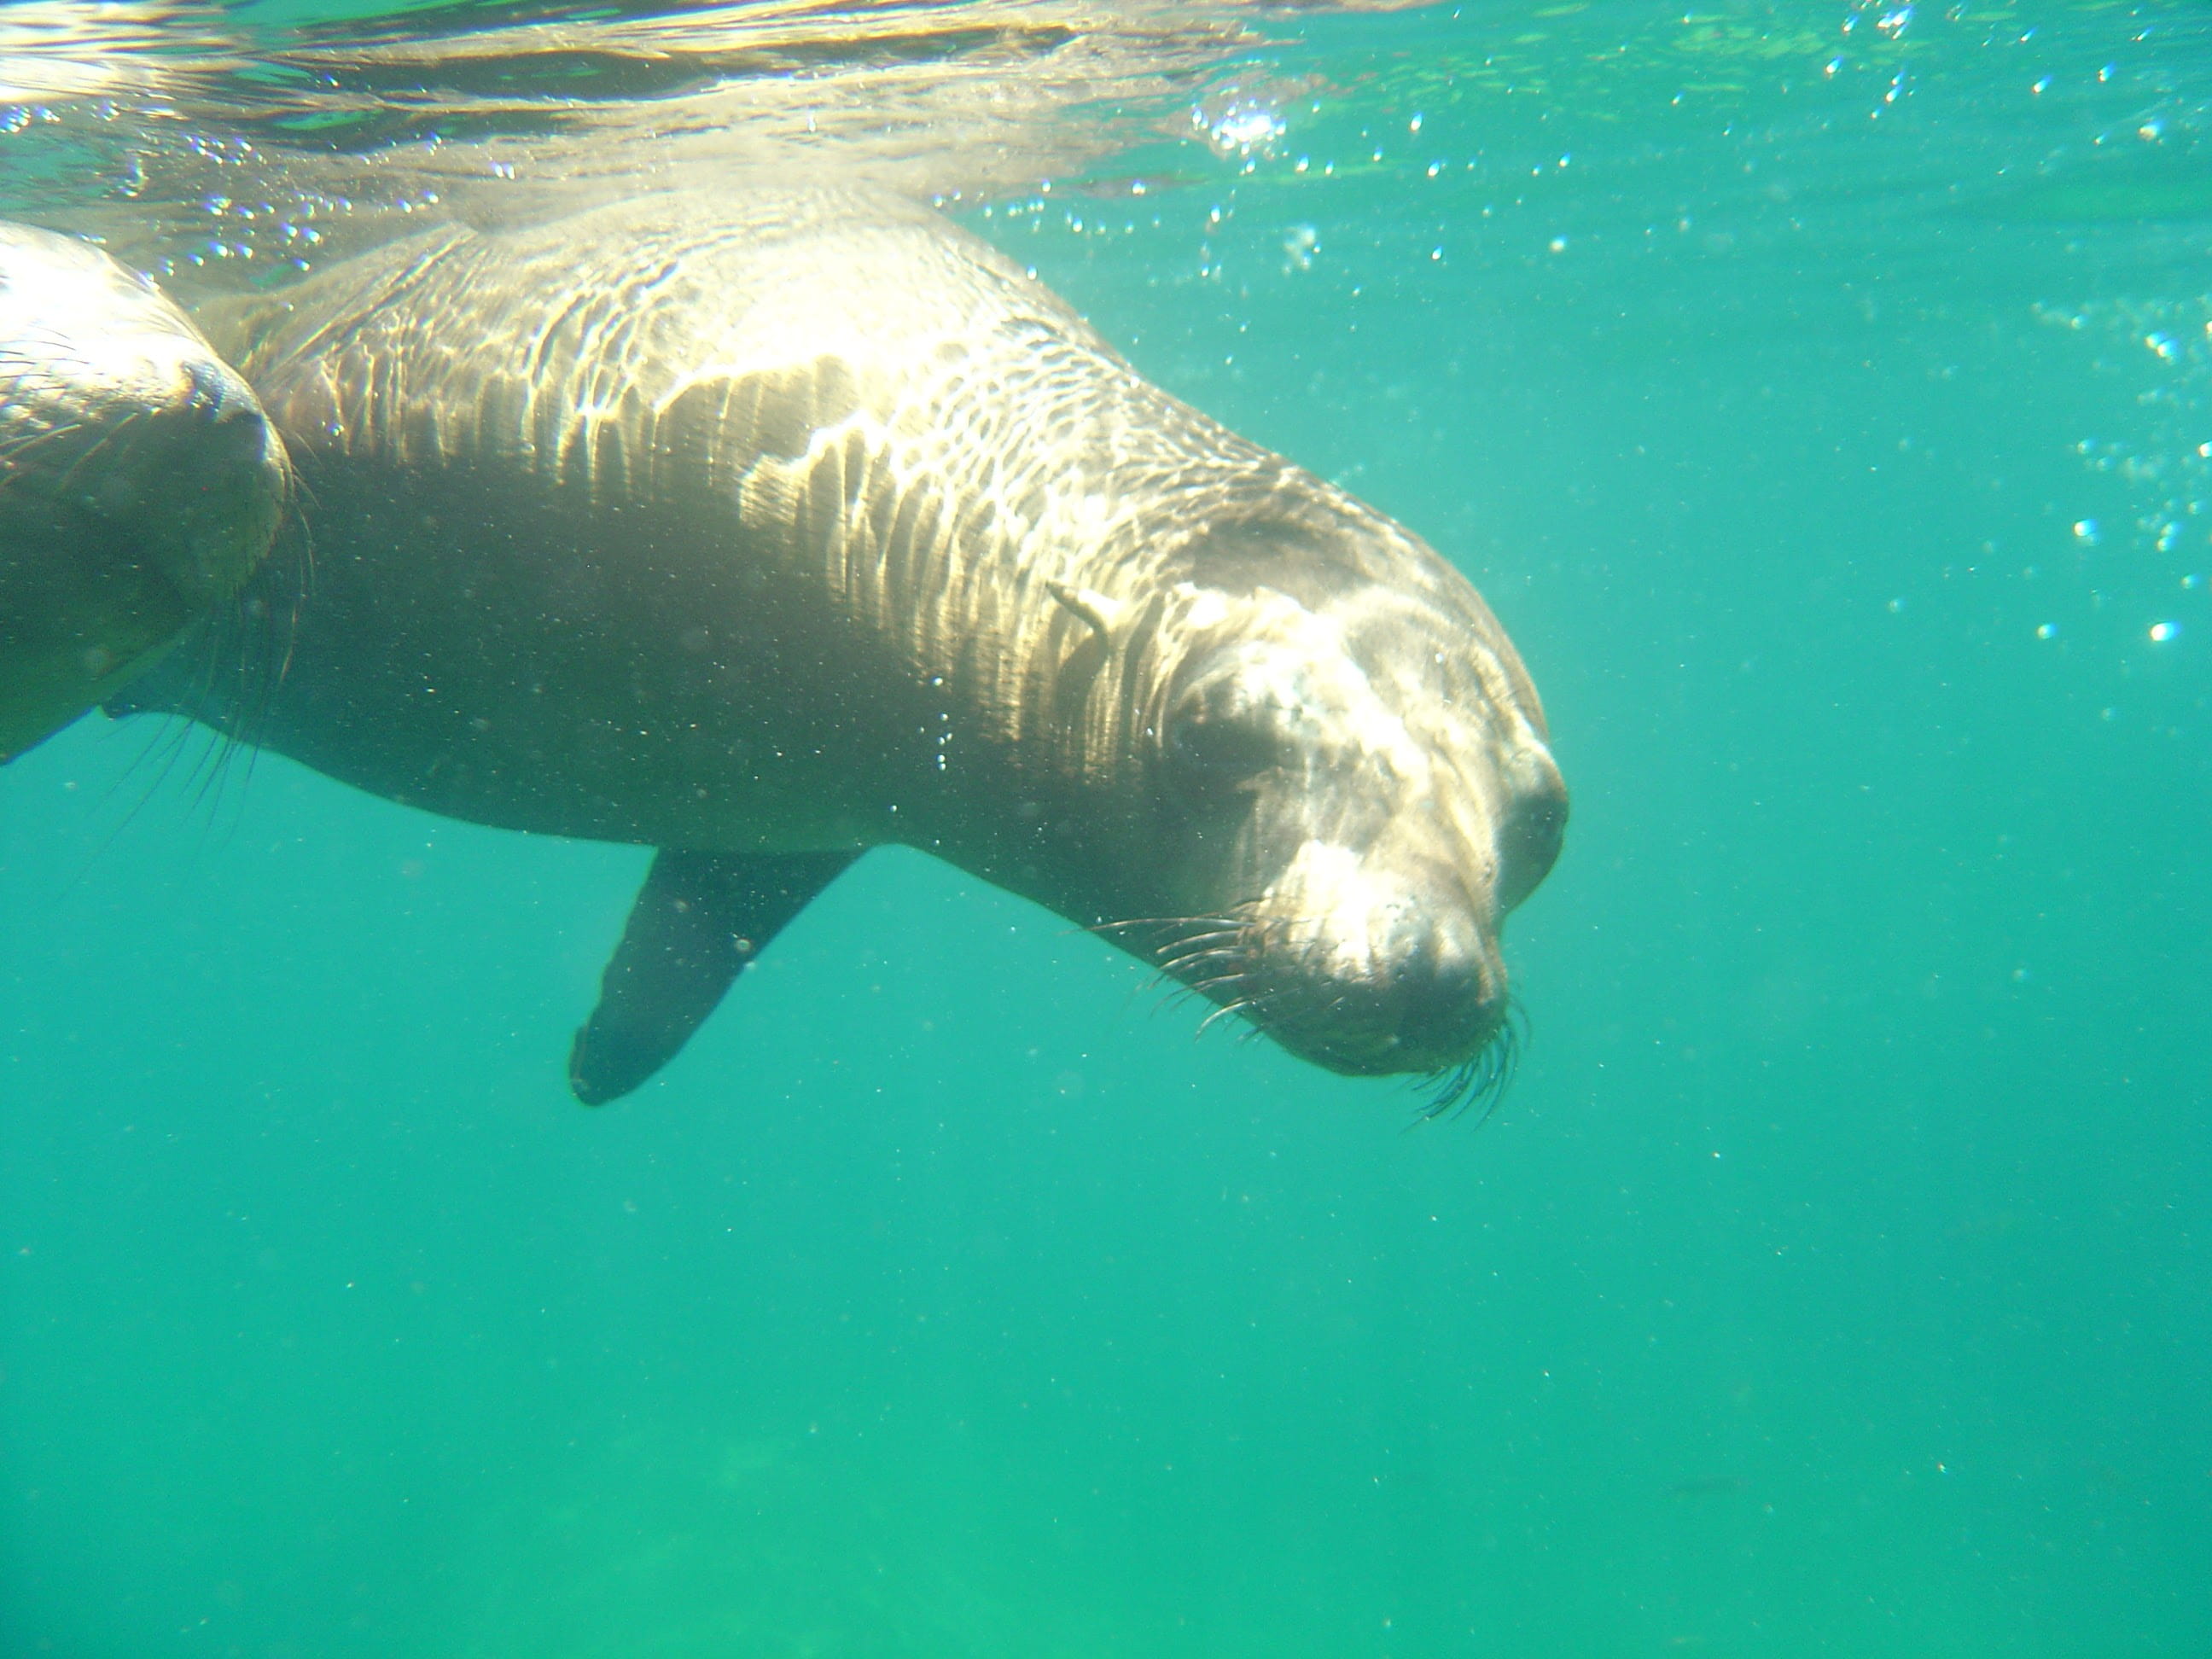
(765, 531)
(140, 483)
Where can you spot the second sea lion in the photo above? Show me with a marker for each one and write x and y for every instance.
(140, 483)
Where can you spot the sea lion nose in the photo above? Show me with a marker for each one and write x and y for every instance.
(215, 472)
(227, 414)
(1425, 992)
(1446, 995)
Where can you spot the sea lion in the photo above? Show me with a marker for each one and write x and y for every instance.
(140, 482)
(764, 530)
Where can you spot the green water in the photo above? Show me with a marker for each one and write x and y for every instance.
(1836, 1278)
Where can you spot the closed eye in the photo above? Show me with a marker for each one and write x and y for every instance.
(1215, 751)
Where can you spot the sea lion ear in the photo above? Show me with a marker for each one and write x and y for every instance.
(698, 922)
(1094, 610)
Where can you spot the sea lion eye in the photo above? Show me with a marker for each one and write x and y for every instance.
(1529, 844)
(1216, 751)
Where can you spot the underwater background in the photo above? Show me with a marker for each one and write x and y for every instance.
(1821, 393)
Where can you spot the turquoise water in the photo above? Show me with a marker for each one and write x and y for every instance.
(1821, 394)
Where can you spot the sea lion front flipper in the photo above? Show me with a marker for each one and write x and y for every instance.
(699, 920)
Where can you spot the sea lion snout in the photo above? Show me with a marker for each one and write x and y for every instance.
(1362, 791)
(221, 475)
(1381, 964)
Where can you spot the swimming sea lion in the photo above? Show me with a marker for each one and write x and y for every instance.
(140, 483)
(766, 532)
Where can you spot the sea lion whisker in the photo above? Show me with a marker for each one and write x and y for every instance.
(1483, 1078)
(1158, 921)
(115, 429)
(170, 736)
(1222, 1012)
(1197, 949)
(163, 750)
(1207, 932)
(1206, 987)
(1194, 959)
(17, 448)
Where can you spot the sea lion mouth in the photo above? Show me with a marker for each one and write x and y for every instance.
(1408, 993)
(1423, 1011)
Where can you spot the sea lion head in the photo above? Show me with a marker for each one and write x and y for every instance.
(1347, 787)
(140, 481)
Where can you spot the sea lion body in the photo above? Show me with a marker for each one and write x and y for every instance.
(765, 533)
(140, 483)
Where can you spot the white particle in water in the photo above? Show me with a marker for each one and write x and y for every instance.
(2085, 532)
(2163, 344)
(2047, 631)
(2161, 632)
(1558, 244)
(2041, 87)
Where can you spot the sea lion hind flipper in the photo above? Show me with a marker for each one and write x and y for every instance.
(699, 921)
